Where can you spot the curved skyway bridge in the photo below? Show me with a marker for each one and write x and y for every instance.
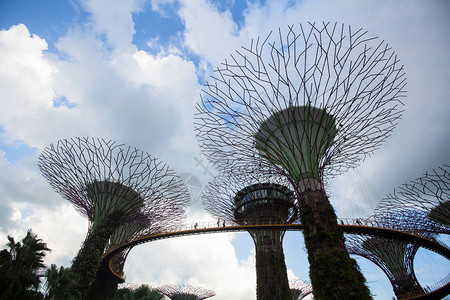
(369, 227)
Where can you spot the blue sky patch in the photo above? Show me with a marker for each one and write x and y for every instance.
(150, 24)
(18, 151)
(48, 19)
(63, 101)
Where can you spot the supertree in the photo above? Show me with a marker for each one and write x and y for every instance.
(429, 193)
(307, 106)
(251, 200)
(300, 289)
(111, 184)
(395, 256)
(185, 292)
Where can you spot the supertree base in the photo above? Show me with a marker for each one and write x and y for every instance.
(331, 268)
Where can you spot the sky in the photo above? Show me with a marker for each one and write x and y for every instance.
(132, 71)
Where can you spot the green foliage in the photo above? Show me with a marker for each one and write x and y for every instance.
(21, 266)
(142, 293)
(88, 259)
(271, 274)
(334, 275)
(61, 283)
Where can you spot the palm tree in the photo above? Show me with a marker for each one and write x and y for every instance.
(21, 267)
(61, 283)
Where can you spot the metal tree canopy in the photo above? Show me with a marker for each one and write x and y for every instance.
(264, 202)
(102, 177)
(185, 292)
(394, 257)
(307, 79)
(300, 289)
(429, 193)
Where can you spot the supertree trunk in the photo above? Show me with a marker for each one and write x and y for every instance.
(407, 285)
(89, 257)
(106, 283)
(252, 200)
(271, 276)
(331, 267)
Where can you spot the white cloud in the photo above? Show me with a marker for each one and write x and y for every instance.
(158, 6)
(62, 228)
(208, 261)
(25, 81)
(209, 33)
(114, 19)
(106, 89)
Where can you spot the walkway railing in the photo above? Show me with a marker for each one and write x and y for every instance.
(223, 226)
(270, 221)
(438, 285)
(427, 290)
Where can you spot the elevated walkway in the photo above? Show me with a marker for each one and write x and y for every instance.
(349, 226)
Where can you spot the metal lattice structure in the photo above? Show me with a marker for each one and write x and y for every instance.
(356, 79)
(429, 193)
(146, 224)
(395, 257)
(185, 292)
(250, 199)
(219, 198)
(300, 289)
(111, 184)
(307, 103)
(87, 172)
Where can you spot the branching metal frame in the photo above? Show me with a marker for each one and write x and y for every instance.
(354, 78)
(185, 292)
(429, 193)
(142, 184)
(300, 289)
(395, 257)
(219, 193)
